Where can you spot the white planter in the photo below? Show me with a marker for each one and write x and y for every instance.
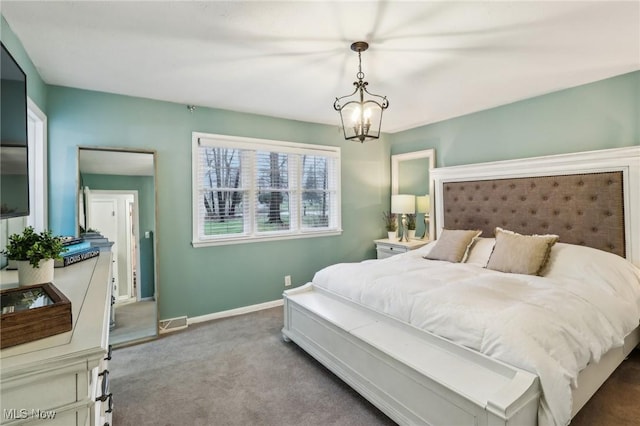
(28, 275)
(392, 235)
(411, 233)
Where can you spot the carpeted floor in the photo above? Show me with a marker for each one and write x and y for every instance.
(238, 371)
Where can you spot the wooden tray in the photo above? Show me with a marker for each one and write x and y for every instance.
(32, 312)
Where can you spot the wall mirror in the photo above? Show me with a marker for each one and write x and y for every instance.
(411, 174)
(117, 198)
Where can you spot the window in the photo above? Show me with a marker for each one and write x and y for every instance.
(254, 190)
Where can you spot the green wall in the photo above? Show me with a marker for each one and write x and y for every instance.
(36, 88)
(200, 281)
(604, 114)
(146, 214)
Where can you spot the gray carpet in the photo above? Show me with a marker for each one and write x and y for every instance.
(238, 371)
(233, 371)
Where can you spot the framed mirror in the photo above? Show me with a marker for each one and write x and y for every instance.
(117, 199)
(411, 174)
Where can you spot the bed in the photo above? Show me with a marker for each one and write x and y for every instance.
(464, 356)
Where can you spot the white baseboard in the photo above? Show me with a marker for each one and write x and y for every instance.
(180, 323)
(234, 312)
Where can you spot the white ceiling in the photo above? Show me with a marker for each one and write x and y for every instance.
(290, 59)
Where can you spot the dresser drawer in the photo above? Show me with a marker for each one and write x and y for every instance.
(388, 250)
(49, 389)
(43, 417)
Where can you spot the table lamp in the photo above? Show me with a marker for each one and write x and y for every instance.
(403, 204)
(424, 206)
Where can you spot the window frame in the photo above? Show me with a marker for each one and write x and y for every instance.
(261, 145)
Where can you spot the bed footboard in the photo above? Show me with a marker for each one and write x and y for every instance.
(414, 377)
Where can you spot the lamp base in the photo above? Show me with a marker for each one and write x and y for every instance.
(404, 229)
(426, 227)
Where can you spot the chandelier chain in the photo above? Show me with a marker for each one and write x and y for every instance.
(360, 74)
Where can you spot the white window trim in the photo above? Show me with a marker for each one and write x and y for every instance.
(37, 153)
(38, 217)
(199, 138)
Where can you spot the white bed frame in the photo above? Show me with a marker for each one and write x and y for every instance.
(418, 378)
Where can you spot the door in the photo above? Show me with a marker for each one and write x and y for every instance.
(111, 214)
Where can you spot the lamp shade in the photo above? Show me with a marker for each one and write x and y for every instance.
(423, 204)
(403, 204)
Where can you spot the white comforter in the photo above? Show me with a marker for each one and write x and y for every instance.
(552, 326)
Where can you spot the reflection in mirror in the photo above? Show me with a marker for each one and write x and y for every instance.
(117, 198)
(410, 174)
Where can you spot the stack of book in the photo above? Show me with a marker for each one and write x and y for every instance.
(77, 250)
(97, 240)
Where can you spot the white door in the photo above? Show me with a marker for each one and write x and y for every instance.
(110, 215)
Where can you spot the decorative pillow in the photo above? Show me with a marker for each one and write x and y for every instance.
(520, 254)
(480, 251)
(453, 245)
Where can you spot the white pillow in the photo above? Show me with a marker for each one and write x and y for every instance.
(586, 264)
(480, 251)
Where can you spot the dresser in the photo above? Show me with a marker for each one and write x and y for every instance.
(64, 379)
(387, 248)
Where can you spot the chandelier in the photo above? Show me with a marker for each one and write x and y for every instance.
(361, 111)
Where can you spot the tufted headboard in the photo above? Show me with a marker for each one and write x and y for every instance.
(589, 198)
(583, 209)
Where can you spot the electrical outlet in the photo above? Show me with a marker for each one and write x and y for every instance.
(287, 280)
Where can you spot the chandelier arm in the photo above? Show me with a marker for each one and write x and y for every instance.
(385, 101)
(336, 104)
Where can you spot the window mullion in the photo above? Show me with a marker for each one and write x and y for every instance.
(250, 221)
(294, 193)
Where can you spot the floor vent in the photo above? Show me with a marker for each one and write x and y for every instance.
(173, 324)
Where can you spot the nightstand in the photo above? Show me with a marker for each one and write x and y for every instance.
(387, 248)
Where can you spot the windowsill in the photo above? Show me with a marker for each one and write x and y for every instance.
(244, 240)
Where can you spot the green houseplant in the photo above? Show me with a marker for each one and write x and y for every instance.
(35, 254)
(390, 224)
(411, 226)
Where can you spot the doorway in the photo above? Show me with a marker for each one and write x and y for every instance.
(117, 197)
(115, 215)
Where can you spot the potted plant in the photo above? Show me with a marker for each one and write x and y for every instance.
(411, 226)
(390, 224)
(34, 254)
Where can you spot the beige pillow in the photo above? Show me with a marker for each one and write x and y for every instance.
(520, 254)
(453, 245)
